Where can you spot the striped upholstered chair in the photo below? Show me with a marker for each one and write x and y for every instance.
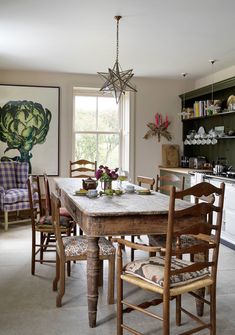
(13, 188)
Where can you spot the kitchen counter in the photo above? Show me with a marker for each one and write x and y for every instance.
(222, 178)
(192, 177)
(207, 173)
(182, 170)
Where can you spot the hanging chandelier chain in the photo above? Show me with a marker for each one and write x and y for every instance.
(117, 44)
(184, 74)
(212, 61)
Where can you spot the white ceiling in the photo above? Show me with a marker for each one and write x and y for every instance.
(158, 38)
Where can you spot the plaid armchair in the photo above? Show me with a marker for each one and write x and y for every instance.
(13, 188)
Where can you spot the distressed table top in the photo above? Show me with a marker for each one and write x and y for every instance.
(126, 204)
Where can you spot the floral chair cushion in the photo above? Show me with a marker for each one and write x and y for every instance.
(185, 240)
(7, 175)
(64, 212)
(77, 246)
(152, 271)
(44, 221)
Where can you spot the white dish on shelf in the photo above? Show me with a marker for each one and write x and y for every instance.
(201, 130)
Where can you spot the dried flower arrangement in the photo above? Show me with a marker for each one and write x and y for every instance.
(159, 128)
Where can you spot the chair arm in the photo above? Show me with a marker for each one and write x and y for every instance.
(137, 246)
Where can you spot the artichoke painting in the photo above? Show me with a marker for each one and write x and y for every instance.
(23, 124)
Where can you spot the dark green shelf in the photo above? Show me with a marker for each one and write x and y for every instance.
(209, 116)
(225, 147)
(225, 137)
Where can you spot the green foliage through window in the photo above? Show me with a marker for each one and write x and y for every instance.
(97, 129)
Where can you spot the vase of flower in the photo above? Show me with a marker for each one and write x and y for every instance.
(106, 176)
(106, 184)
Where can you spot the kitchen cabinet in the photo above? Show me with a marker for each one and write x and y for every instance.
(228, 220)
(225, 145)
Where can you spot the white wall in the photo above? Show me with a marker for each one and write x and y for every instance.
(218, 76)
(154, 96)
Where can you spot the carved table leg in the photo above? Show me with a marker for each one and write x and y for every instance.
(92, 279)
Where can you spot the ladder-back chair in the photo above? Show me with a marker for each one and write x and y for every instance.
(42, 226)
(75, 248)
(142, 181)
(82, 168)
(170, 276)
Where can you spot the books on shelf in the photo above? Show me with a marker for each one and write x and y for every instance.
(200, 108)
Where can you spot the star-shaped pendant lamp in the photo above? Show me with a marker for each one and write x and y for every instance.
(117, 81)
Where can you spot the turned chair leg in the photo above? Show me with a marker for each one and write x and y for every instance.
(33, 253)
(178, 310)
(61, 289)
(57, 273)
(119, 292)
(41, 247)
(213, 309)
(101, 269)
(68, 268)
(111, 280)
(132, 250)
(166, 317)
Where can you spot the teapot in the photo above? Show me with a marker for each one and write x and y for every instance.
(89, 184)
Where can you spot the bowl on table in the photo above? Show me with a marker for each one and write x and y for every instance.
(130, 188)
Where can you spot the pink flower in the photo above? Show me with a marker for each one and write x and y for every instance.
(157, 121)
(167, 122)
(104, 173)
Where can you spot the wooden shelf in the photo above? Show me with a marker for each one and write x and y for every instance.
(225, 145)
(225, 137)
(225, 112)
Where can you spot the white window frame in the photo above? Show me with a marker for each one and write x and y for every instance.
(125, 132)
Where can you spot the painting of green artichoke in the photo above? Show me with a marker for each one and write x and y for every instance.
(23, 124)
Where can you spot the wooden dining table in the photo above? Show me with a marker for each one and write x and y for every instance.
(128, 214)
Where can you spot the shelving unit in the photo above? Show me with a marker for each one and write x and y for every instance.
(225, 146)
(222, 113)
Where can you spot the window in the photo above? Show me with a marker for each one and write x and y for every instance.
(101, 129)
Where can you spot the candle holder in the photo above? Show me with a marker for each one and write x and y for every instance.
(159, 128)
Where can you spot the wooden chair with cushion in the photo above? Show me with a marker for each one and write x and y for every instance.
(74, 248)
(164, 184)
(82, 168)
(42, 226)
(169, 276)
(141, 180)
(63, 210)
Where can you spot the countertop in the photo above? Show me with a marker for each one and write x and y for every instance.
(207, 173)
(182, 170)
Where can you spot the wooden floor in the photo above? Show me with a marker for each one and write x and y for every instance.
(27, 303)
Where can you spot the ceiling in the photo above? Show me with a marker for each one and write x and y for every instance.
(157, 38)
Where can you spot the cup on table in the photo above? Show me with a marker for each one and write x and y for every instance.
(92, 193)
(130, 188)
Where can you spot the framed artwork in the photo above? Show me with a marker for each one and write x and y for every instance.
(29, 126)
